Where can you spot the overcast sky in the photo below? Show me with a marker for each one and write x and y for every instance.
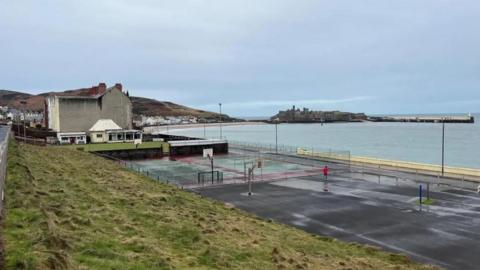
(254, 56)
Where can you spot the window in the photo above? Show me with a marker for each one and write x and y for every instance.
(99, 136)
(137, 136)
(64, 138)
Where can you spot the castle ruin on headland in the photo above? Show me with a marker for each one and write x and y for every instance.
(296, 115)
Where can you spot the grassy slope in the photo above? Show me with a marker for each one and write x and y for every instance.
(71, 209)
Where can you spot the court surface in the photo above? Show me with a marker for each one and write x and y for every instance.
(384, 214)
(183, 171)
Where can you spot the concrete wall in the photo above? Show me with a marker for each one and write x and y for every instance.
(52, 113)
(95, 139)
(117, 106)
(80, 114)
(133, 154)
(221, 148)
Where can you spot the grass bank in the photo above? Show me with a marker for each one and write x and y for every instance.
(69, 209)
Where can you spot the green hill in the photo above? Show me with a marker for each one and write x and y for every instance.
(141, 105)
(69, 209)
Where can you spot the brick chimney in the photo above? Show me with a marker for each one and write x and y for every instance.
(102, 87)
(94, 91)
(119, 86)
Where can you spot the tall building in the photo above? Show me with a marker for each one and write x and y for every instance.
(69, 114)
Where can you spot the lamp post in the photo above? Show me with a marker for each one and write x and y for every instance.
(220, 105)
(204, 129)
(443, 146)
(276, 137)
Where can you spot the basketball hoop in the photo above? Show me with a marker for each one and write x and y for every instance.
(208, 153)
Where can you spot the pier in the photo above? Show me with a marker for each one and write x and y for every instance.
(465, 119)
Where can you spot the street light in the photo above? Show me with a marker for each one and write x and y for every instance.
(204, 129)
(220, 105)
(443, 146)
(276, 137)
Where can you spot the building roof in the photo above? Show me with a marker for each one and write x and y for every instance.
(94, 92)
(71, 133)
(105, 124)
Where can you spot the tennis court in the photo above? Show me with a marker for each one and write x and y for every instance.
(232, 168)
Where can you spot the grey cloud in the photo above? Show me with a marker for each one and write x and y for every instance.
(410, 55)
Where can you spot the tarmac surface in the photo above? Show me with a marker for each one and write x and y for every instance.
(372, 209)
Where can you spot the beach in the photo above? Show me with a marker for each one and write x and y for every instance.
(156, 129)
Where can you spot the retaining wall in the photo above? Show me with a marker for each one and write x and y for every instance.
(3, 164)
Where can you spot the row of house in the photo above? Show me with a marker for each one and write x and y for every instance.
(12, 114)
(102, 116)
(146, 121)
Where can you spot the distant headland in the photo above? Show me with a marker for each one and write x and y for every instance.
(305, 115)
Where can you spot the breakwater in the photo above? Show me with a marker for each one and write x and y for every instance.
(466, 119)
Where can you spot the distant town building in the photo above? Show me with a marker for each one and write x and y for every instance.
(145, 121)
(305, 116)
(66, 114)
(72, 137)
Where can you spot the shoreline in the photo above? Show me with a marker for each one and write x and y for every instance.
(471, 174)
(152, 129)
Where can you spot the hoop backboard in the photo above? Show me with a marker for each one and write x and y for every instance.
(260, 163)
(208, 152)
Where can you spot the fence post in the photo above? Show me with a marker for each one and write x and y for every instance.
(420, 193)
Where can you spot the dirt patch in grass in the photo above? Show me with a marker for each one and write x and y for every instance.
(69, 209)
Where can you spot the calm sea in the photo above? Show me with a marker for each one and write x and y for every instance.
(415, 142)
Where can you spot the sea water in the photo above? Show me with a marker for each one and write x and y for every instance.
(416, 142)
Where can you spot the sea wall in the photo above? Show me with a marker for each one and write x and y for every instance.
(422, 168)
(133, 154)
